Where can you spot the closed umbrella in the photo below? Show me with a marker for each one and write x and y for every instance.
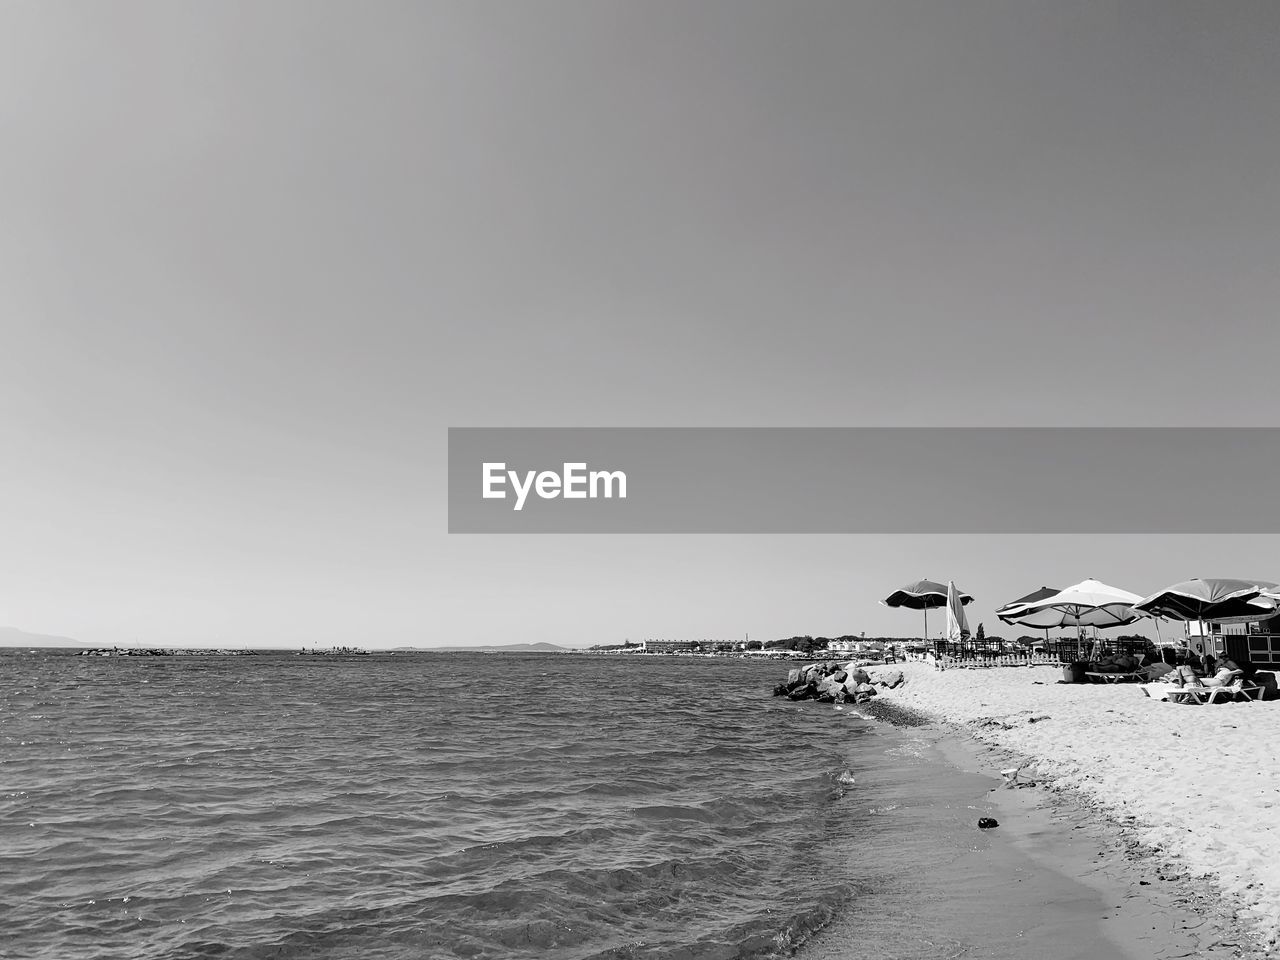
(957, 622)
(923, 595)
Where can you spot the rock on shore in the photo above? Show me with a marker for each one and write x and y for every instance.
(828, 681)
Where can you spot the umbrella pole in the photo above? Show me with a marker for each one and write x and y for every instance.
(926, 626)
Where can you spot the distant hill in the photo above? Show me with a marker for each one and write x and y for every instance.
(13, 637)
(495, 648)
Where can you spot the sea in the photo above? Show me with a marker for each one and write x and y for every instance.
(474, 805)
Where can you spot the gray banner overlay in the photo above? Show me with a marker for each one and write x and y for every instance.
(866, 480)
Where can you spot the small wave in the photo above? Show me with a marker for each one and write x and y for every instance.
(360, 808)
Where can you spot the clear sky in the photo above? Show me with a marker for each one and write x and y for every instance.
(256, 258)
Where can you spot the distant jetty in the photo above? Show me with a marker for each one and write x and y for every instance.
(333, 652)
(166, 652)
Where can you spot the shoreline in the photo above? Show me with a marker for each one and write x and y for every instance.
(1055, 880)
(1140, 912)
(1159, 819)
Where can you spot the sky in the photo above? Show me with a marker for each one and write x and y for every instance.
(255, 259)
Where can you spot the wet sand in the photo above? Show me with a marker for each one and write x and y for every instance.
(1054, 881)
(1124, 905)
(1196, 785)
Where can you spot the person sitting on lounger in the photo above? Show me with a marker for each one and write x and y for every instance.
(1228, 673)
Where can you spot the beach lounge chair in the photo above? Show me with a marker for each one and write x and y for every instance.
(1159, 690)
(1233, 691)
(1201, 694)
(1104, 677)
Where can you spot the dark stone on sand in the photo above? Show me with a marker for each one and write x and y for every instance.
(986, 823)
(891, 680)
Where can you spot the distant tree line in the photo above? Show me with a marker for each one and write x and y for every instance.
(808, 644)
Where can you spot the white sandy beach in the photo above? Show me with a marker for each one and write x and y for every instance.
(1197, 785)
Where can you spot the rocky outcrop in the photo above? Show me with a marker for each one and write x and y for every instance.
(164, 652)
(830, 682)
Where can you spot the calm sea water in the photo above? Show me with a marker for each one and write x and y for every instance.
(447, 805)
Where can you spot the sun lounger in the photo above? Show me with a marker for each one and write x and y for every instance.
(1113, 677)
(1199, 693)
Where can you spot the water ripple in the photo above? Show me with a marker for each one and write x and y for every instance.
(282, 806)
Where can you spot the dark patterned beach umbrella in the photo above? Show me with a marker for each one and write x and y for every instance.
(923, 595)
(1217, 599)
(1212, 599)
(1009, 612)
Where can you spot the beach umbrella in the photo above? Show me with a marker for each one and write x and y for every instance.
(1009, 612)
(1213, 599)
(1220, 599)
(957, 622)
(1006, 612)
(923, 595)
(1089, 603)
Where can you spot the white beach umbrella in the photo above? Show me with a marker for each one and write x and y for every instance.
(1089, 603)
(957, 622)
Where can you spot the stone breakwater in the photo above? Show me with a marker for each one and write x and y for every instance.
(830, 682)
(163, 652)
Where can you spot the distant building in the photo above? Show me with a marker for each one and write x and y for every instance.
(668, 646)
